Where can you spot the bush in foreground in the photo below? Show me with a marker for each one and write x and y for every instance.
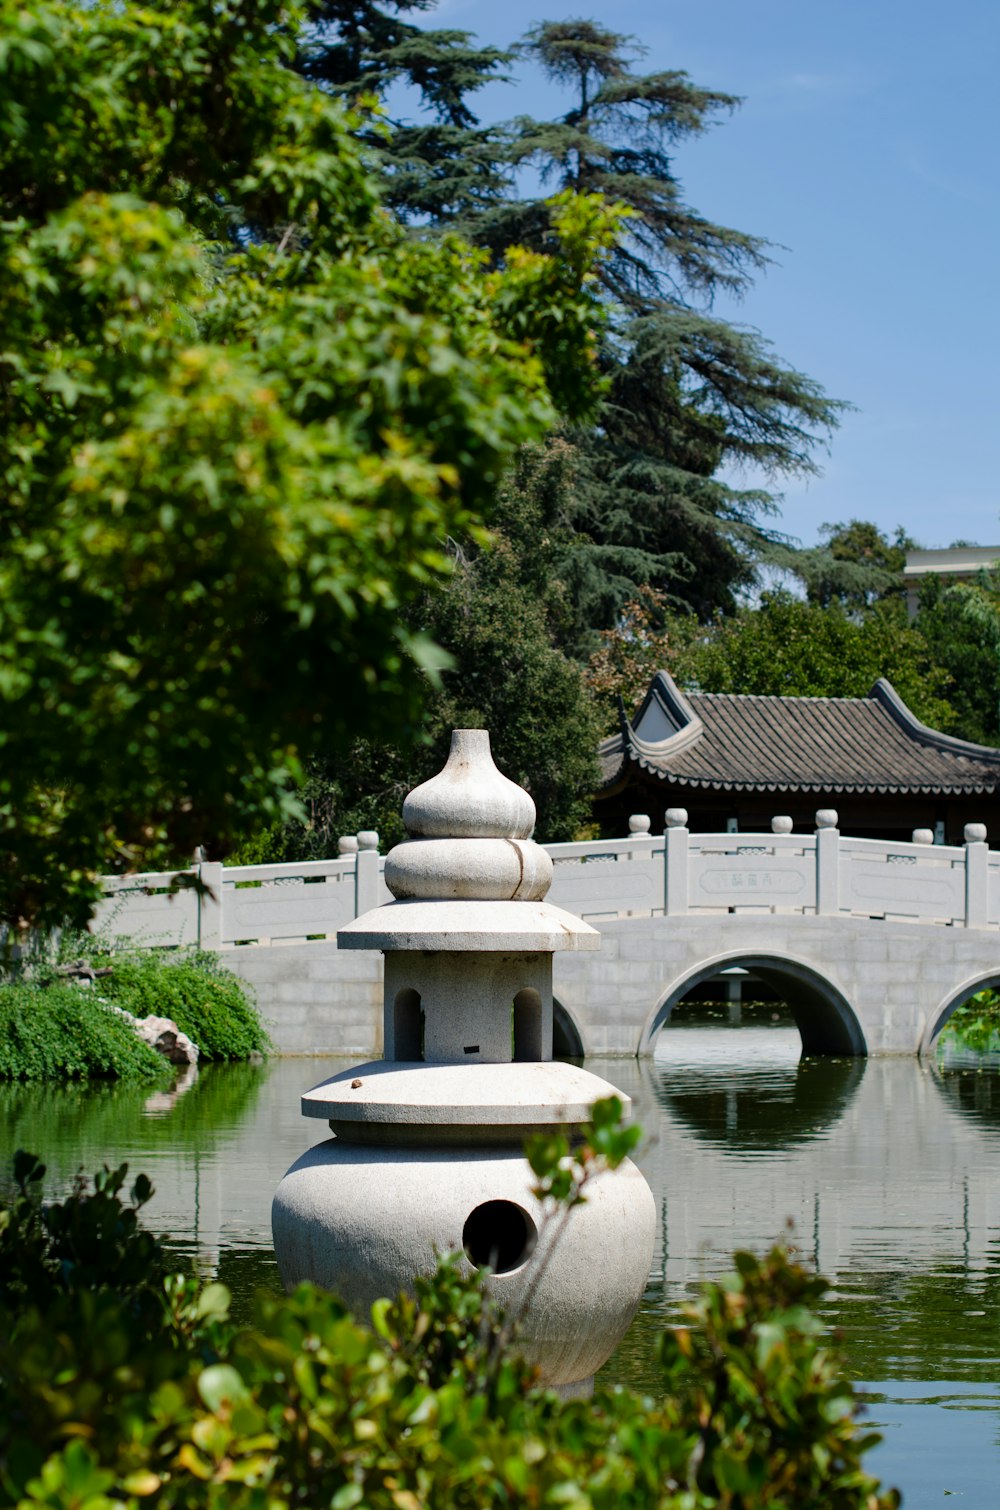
(119, 1386)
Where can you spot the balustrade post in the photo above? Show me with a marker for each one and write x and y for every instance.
(977, 860)
(827, 862)
(210, 905)
(640, 839)
(675, 862)
(366, 872)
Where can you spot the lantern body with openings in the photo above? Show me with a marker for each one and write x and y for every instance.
(426, 1156)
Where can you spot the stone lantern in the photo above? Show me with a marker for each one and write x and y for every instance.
(426, 1156)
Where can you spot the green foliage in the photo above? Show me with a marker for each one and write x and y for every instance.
(442, 167)
(783, 647)
(801, 650)
(615, 140)
(97, 1346)
(241, 413)
(688, 391)
(82, 1243)
(62, 1032)
(562, 1169)
(976, 1023)
(208, 1002)
(52, 1028)
(855, 566)
(775, 1414)
(116, 1386)
(504, 619)
(961, 624)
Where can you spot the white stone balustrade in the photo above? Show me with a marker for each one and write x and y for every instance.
(671, 874)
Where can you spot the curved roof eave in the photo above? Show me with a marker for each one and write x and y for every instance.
(885, 694)
(979, 789)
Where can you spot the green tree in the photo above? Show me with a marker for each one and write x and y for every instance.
(443, 166)
(241, 411)
(689, 392)
(856, 565)
(783, 647)
(500, 619)
(961, 624)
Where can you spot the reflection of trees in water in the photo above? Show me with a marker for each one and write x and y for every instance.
(971, 1085)
(760, 1108)
(935, 1323)
(90, 1124)
(247, 1272)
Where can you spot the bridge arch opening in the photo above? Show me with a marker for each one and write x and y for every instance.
(947, 1009)
(825, 1019)
(567, 1040)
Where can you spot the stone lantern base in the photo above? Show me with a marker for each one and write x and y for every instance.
(354, 1218)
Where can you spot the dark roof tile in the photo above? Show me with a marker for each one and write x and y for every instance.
(818, 744)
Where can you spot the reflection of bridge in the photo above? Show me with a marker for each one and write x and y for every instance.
(882, 1167)
(872, 943)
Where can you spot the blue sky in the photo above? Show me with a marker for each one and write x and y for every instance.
(867, 149)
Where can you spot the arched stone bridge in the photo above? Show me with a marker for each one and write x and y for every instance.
(873, 944)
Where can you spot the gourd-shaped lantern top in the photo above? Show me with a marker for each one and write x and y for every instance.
(469, 877)
(469, 798)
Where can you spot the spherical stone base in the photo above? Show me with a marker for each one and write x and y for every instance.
(362, 1221)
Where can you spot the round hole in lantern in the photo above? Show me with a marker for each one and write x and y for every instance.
(499, 1235)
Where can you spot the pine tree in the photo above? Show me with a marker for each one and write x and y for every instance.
(691, 396)
(439, 170)
(855, 565)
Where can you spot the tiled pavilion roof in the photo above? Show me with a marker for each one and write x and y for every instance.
(735, 742)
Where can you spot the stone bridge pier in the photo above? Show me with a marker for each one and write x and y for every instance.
(856, 986)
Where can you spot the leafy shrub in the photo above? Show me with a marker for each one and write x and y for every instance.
(208, 1002)
(62, 1032)
(976, 1023)
(117, 1385)
(755, 1370)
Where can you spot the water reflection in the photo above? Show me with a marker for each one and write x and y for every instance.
(890, 1177)
(83, 1122)
(748, 1091)
(161, 1103)
(888, 1169)
(970, 1083)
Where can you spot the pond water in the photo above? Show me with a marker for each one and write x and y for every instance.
(888, 1172)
